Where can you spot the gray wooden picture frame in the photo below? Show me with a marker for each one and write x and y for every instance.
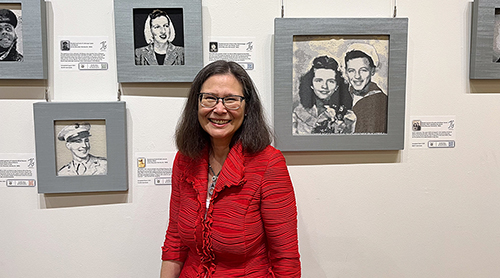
(193, 42)
(482, 65)
(114, 115)
(285, 30)
(34, 38)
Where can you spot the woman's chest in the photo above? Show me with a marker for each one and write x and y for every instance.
(233, 219)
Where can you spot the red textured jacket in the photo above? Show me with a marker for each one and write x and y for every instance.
(251, 224)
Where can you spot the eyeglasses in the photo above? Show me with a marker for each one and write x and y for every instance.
(230, 102)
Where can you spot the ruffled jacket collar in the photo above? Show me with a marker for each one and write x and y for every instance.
(231, 175)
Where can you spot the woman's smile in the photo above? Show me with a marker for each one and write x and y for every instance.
(219, 121)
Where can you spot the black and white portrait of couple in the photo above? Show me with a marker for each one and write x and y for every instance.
(73, 148)
(340, 84)
(11, 47)
(159, 37)
(496, 37)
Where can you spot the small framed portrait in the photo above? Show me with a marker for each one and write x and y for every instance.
(340, 83)
(23, 44)
(485, 40)
(158, 41)
(81, 147)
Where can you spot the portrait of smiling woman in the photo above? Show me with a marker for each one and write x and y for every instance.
(159, 34)
(232, 206)
(325, 105)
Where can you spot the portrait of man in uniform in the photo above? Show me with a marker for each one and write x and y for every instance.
(10, 46)
(76, 139)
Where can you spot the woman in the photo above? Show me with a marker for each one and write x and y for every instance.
(324, 102)
(159, 33)
(232, 208)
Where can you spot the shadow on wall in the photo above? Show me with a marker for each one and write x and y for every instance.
(341, 157)
(66, 200)
(23, 89)
(179, 89)
(478, 86)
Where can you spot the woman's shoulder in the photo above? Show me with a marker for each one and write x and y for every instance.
(182, 160)
(175, 49)
(179, 48)
(146, 48)
(300, 109)
(305, 114)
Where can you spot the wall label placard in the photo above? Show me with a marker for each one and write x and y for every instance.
(433, 132)
(83, 53)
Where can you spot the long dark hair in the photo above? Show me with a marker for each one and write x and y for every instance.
(254, 133)
(339, 97)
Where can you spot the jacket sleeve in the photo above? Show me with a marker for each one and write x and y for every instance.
(279, 214)
(172, 248)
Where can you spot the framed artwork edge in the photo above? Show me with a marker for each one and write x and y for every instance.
(34, 38)
(286, 29)
(482, 65)
(128, 72)
(114, 114)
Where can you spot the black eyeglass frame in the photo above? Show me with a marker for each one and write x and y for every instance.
(200, 96)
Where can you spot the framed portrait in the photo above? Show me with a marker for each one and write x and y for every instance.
(23, 46)
(158, 41)
(485, 40)
(339, 83)
(81, 147)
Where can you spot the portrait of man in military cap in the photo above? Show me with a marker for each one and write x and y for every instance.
(9, 41)
(76, 138)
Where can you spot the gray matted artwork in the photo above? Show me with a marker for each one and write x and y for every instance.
(23, 44)
(485, 40)
(339, 83)
(81, 147)
(158, 41)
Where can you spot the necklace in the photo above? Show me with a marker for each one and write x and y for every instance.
(214, 181)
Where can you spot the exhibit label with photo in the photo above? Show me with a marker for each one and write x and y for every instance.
(18, 170)
(236, 49)
(83, 53)
(153, 169)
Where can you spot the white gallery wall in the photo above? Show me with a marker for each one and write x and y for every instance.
(410, 213)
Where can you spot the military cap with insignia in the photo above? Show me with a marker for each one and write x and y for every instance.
(7, 16)
(73, 132)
